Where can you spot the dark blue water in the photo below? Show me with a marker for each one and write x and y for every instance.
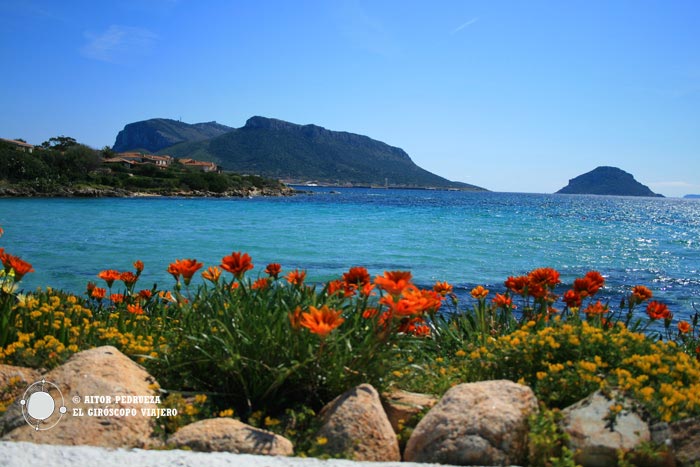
(464, 238)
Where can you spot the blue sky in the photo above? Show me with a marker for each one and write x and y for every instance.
(512, 96)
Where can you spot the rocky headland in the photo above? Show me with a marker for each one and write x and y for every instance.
(607, 181)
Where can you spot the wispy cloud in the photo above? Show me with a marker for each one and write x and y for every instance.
(464, 25)
(118, 44)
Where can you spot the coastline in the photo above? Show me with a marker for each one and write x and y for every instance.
(95, 192)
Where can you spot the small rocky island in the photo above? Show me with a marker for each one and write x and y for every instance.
(607, 181)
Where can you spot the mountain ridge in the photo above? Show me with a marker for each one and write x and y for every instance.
(276, 148)
(157, 133)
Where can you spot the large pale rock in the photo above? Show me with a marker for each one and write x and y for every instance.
(483, 423)
(104, 373)
(14, 380)
(356, 426)
(594, 441)
(229, 435)
(25, 376)
(400, 406)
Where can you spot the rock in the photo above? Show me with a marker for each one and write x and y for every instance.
(401, 406)
(14, 381)
(685, 440)
(229, 435)
(592, 439)
(21, 375)
(356, 426)
(89, 381)
(483, 423)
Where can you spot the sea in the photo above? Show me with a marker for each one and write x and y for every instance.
(464, 238)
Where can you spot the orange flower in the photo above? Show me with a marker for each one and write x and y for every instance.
(116, 298)
(321, 322)
(401, 307)
(502, 301)
(135, 309)
(479, 292)
(589, 285)
(98, 293)
(90, 287)
(296, 277)
(357, 276)
(367, 289)
(212, 274)
(235, 285)
(184, 267)
(138, 265)
(415, 326)
(412, 301)
(335, 286)
(443, 288)
(572, 299)
(517, 285)
(145, 294)
(596, 308)
(640, 294)
(260, 284)
(273, 270)
(369, 313)
(545, 277)
(166, 296)
(393, 282)
(295, 318)
(109, 276)
(596, 281)
(18, 265)
(237, 263)
(683, 327)
(657, 310)
(129, 279)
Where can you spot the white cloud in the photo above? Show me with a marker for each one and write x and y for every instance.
(118, 44)
(464, 25)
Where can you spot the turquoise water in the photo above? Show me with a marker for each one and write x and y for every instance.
(464, 238)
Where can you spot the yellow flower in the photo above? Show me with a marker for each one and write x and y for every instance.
(321, 440)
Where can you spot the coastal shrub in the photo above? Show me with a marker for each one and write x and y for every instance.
(565, 354)
(276, 342)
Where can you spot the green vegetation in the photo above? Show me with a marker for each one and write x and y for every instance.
(285, 150)
(273, 349)
(54, 171)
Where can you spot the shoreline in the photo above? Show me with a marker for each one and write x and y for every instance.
(92, 192)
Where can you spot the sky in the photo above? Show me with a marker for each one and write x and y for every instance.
(515, 96)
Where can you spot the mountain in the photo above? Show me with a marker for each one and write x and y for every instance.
(158, 133)
(692, 196)
(607, 181)
(279, 149)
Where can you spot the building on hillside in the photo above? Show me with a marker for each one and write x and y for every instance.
(200, 165)
(160, 161)
(138, 158)
(123, 161)
(19, 145)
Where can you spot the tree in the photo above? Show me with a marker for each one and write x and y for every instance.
(59, 143)
(107, 152)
